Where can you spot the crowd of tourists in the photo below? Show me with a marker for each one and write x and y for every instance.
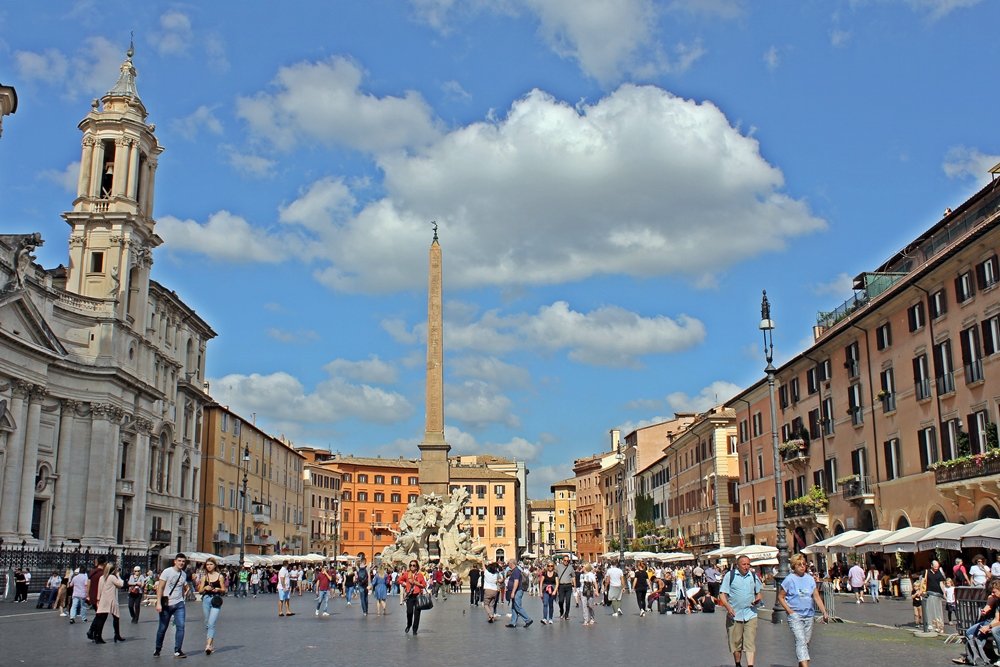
(566, 590)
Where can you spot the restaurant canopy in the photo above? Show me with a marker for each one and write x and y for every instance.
(910, 543)
(845, 546)
(952, 538)
(987, 537)
(823, 546)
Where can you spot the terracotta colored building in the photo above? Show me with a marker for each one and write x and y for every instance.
(902, 377)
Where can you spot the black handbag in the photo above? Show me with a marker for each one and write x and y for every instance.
(217, 600)
(425, 601)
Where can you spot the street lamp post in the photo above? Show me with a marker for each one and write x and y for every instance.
(243, 513)
(621, 502)
(767, 327)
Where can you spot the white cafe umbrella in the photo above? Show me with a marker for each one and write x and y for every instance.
(952, 538)
(926, 536)
(985, 538)
(823, 546)
(900, 538)
(845, 546)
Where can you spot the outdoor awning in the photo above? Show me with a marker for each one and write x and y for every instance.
(952, 539)
(823, 546)
(985, 538)
(901, 536)
(753, 551)
(764, 561)
(675, 557)
(912, 543)
(849, 545)
(716, 553)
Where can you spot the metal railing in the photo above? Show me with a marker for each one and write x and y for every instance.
(859, 487)
(888, 402)
(974, 371)
(967, 470)
(922, 388)
(159, 535)
(43, 562)
(946, 383)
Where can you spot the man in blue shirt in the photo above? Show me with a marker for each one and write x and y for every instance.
(740, 594)
(515, 593)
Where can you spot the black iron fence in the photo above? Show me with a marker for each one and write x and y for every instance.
(43, 562)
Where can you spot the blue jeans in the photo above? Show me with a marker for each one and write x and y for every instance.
(241, 588)
(78, 608)
(363, 594)
(516, 609)
(178, 613)
(547, 603)
(322, 601)
(211, 615)
(349, 594)
(801, 627)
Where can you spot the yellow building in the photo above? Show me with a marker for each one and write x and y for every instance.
(322, 509)
(492, 510)
(564, 498)
(703, 505)
(273, 518)
(542, 527)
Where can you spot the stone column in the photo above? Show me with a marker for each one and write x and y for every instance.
(137, 527)
(133, 168)
(150, 190)
(29, 467)
(99, 497)
(96, 169)
(11, 502)
(121, 162)
(64, 447)
(86, 166)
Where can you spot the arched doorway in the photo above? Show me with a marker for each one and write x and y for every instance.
(500, 555)
(838, 529)
(867, 520)
(799, 538)
(989, 512)
(938, 518)
(902, 522)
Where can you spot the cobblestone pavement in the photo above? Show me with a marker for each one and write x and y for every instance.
(456, 634)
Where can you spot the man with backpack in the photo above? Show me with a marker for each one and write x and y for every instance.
(361, 585)
(740, 594)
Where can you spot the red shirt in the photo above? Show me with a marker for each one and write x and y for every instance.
(413, 583)
(323, 580)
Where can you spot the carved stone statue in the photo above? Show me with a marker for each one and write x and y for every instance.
(430, 520)
(24, 246)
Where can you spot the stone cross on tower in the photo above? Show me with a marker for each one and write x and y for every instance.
(434, 472)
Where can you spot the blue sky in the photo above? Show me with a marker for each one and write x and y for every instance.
(615, 182)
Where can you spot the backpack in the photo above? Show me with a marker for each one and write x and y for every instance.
(362, 578)
(756, 579)
(588, 589)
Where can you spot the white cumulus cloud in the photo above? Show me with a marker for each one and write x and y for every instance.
(478, 404)
(202, 118)
(717, 392)
(175, 35)
(91, 70)
(372, 370)
(970, 163)
(223, 236)
(66, 178)
(323, 101)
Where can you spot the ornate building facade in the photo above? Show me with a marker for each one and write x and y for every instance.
(101, 368)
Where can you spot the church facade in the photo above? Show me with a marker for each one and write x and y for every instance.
(101, 368)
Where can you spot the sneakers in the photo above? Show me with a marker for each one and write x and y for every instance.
(317, 612)
(642, 613)
(62, 614)
(156, 653)
(528, 624)
(179, 654)
(326, 613)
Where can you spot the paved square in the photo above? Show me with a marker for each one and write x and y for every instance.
(455, 634)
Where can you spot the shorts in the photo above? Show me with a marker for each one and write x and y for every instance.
(283, 596)
(742, 636)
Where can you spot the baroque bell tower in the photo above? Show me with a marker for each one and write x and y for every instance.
(112, 234)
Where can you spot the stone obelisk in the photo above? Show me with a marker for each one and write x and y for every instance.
(434, 473)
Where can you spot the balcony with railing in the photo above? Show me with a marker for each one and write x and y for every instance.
(922, 388)
(974, 371)
(888, 402)
(160, 536)
(261, 513)
(795, 451)
(946, 383)
(702, 539)
(221, 536)
(858, 488)
(974, 467)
